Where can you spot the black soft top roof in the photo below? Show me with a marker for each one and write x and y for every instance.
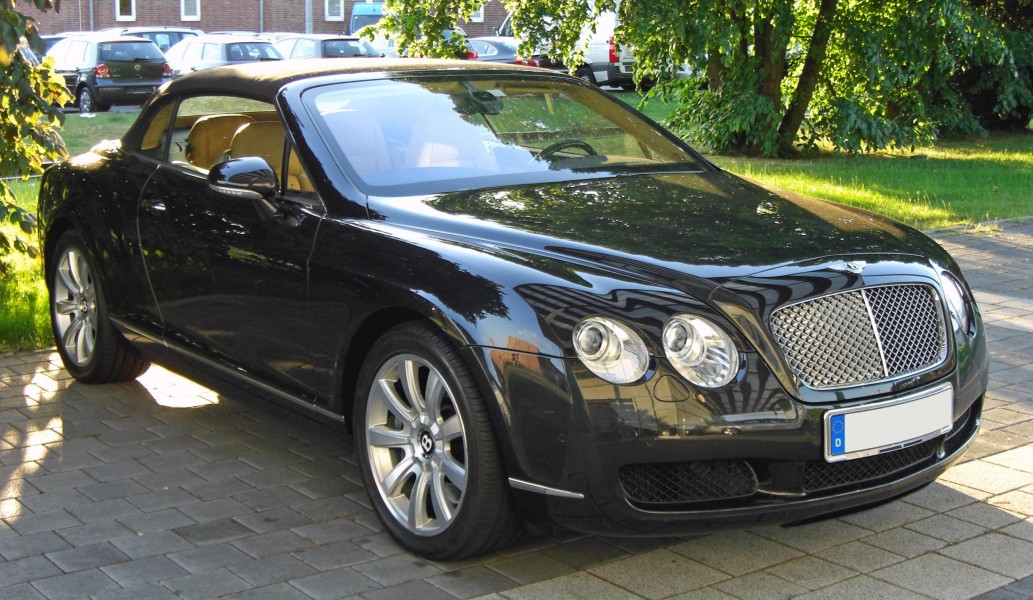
(263, 80)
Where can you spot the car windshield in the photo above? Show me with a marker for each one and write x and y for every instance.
(128, 51)
(415, 135)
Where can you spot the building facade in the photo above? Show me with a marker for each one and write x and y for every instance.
(327, 16)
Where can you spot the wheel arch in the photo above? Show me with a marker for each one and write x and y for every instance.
(372, 328)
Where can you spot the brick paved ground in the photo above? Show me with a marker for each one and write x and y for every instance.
(162, 489)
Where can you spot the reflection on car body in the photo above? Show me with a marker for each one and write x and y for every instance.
(525, 299)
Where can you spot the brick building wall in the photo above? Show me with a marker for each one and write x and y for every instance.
(277, 15)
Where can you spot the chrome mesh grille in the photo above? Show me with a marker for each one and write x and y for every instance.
(862, 336)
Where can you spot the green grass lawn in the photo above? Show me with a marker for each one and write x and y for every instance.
(955, 182)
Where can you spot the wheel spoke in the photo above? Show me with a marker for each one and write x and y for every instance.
(418, 501)
(443, 507)
(65, 307)
(64, 273)
(385, 437)
(453, 471)
(410, 374)
(451, 429)
(384, 392)
(434, 393)
(393, 481)
(71, 337)
(76, 268)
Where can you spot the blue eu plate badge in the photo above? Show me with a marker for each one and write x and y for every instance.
(880, 427)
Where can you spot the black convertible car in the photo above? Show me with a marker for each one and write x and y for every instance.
(527, 301)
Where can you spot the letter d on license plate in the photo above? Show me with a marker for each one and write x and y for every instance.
(882, 427)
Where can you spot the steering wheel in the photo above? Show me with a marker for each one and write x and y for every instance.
(555, 147)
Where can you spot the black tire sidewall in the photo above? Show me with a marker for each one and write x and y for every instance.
(467, 528)
(106, 339)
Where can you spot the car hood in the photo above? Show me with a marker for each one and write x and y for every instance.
(706, 225)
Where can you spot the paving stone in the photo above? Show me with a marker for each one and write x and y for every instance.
(39, 523)
(75, 586)
(814, 537)
(147, 591)
(939, 497)
(408, 591)
(339, 583)
(278, 591)
(1018, 502)
(336, 555)
(209, 584)
(888, 516)
(151, 544)
(273, 520)
(736, 552)
(105, 511)
(905, 542)
(529, 567)
(87, 557)
(270, 544)
(811, 572)
(637, 574)
(332, 531)
(113, 489)
(995, 552)
(585, 552)
(23, 546)
(22, 591)
(93, 533)
(13, 572)
(760, 586)
(213, 532)
(984, 515)
(144, 570)
(864, 587)
(471, 582)
(271, 570)
(861, 557)
(576, 586)
(941, 577)
(946, 528)
(208, 558)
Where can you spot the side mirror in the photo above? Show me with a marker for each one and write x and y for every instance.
(248, 178)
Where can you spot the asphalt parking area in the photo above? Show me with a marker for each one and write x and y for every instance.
(161, 488)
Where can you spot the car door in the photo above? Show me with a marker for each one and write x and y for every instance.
(229, 274)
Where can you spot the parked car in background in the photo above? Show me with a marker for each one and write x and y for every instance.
(505, 50)
(53, 39)
(163, 37)
(324, 46)
(524, 297)
(364, 14)
(103, 69)
(216, 49)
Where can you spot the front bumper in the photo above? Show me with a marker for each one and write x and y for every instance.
(656, 459)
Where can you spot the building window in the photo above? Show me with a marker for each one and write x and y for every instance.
(190, 10)
(477, 16)
(125, 10)
(334, 10)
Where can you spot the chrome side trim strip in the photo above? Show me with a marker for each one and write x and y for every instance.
(527, 486)
(245, 377)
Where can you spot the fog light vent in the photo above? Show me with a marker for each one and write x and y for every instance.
(679, 483)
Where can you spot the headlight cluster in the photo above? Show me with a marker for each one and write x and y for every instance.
(698, 349)
(957, 299)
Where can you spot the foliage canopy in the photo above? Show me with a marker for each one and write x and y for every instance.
(772, 77)
(30, 97)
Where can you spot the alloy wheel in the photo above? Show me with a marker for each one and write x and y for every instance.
(416, 443)
(75, 306)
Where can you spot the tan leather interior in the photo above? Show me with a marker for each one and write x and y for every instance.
(265, 139)
(210, 138)
(443, 139)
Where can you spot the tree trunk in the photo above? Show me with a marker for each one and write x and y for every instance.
(812, 67)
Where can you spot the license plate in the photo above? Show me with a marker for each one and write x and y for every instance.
(867, 430)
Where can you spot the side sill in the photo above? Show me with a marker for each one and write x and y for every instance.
(241, 376)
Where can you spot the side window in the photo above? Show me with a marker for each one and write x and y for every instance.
(285, 48)
(192, 53)
(76, 53)
(211, 52)
(304, 49)
(155, 139)
(209, 129)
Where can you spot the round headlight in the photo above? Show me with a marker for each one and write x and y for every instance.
(700, 350)
(956, 298)
(611, 350)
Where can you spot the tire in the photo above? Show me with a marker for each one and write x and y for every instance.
(423, 433)
(586, 74)
(88, 102)
(91, 349)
